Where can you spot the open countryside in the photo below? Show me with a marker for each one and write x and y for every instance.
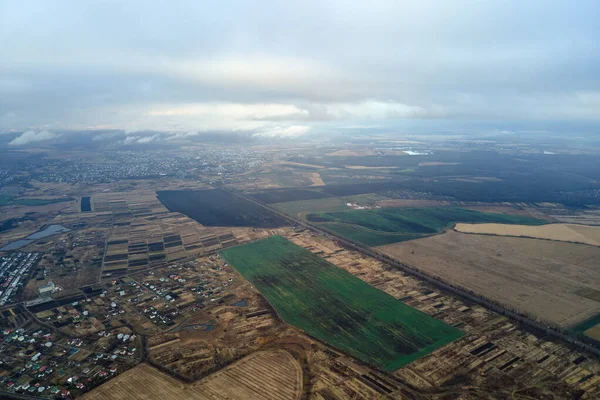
(332, 305)
(378, 227)
(560, 232)
(539, 277)
(263, 375)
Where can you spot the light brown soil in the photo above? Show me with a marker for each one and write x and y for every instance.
(560, 232)
(535, 276)
(262, 375)
(316, 180)
(593, 332)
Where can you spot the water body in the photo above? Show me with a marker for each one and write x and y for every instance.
(48, 231)
(86, 205)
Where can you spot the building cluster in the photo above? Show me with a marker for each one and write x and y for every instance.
(123, 165)
(14, 269)
(37, 361)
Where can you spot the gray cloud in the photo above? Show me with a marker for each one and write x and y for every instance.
(242, 66)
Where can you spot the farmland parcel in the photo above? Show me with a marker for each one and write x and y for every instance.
(390, 225)
(555, 281)
(334, 306)
(218, 208)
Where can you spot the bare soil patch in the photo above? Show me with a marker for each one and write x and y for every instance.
(316, 179)
(593, 332)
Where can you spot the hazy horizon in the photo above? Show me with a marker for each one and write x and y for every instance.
(295, 69)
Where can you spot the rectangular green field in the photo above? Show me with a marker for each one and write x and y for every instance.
(334, 306)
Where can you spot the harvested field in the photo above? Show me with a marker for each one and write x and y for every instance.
(560, 232)
(593, 332)
(332, 305)
(539, 277)
(316, 179)
(262, 375)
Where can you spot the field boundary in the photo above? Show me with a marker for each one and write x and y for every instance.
(416, 334)
(564, 335)
(527, 237)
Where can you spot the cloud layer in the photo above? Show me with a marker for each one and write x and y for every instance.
(32, 137)
(273, 66)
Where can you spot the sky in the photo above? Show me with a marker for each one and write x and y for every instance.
(291, 68)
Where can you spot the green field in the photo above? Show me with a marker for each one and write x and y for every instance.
(328, 204)
(377, 227)
(358, 234)
(334, 306)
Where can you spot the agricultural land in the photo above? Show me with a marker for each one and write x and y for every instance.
(328, 303)
(218, 208)
(560, 232)
(540, 277)
(383, 226)
(268, 375)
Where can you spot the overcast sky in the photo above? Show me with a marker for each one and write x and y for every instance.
(282, 68)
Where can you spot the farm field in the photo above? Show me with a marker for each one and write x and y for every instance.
(560, 232)
(383, 226)
(328, 204)
(332, 305)
(591, 326)
(369, 237)
(287, 195)
(539, 277)
(218, 208)
(261, 375)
